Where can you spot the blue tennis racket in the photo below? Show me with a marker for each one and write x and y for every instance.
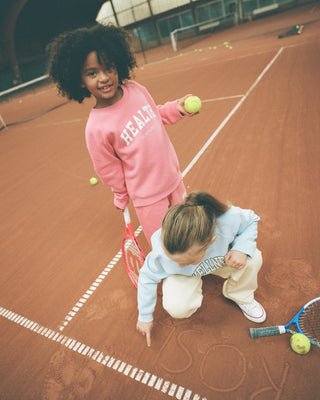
(307, 322)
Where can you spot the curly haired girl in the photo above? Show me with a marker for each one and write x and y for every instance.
(125, 134)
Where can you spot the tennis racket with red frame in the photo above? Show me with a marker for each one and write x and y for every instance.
(132, 254)
(306, 321)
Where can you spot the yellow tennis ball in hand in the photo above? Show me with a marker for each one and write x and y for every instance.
(300, 343)
(192, 104)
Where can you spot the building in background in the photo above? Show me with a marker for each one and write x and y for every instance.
(26, 26)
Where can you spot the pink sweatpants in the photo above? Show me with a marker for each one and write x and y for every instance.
(151, 216)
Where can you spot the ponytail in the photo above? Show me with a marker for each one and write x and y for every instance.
(191, 222)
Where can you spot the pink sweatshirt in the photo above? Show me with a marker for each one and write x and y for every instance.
(130, 148)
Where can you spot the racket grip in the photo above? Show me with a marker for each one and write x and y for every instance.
(126, 216)
(268, 331)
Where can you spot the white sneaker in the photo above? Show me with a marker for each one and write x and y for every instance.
(253, 311)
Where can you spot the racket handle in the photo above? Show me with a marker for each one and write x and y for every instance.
(126, 216)
(268, 331)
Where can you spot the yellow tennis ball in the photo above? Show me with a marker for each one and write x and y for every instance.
(300, 343)
(93, 180)
(192, 104)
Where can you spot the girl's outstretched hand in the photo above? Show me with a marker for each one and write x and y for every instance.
(145, 329)
(181, 108)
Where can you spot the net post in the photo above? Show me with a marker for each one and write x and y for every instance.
(3, 122)
(173, 40)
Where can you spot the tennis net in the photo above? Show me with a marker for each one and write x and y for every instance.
(28, 101)
(185, 36)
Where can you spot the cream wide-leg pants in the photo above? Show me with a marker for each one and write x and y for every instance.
(182, 295)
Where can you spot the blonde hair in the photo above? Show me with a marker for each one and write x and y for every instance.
(191, 222)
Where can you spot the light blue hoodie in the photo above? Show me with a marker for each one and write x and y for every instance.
(237, 229)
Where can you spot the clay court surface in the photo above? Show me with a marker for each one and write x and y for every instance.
(67, 307)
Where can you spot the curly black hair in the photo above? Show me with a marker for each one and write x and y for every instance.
(68, 52)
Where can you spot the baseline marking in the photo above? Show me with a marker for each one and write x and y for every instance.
(120, 366)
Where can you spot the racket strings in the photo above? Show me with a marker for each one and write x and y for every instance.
(133, 257)
(309, 321)
(131, 246)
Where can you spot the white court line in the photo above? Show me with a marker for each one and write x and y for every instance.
(128, 370)
(222, 98)
(228, 117)
(84, 298)
(93, 286)
(75, 309)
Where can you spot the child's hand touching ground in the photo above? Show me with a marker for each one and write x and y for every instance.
(145, 329)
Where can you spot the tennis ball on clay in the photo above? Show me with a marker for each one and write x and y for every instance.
(93, 180)
(192, 104)
(300, 343)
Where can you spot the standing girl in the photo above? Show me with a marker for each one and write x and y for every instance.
(200, 236)
(125, 134)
